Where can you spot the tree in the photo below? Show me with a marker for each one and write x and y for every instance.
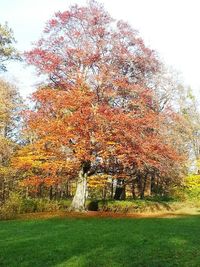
(96, 113)
(7, 50)
(10, 103)
(188, 109)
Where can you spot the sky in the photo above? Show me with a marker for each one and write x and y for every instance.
(171, 27)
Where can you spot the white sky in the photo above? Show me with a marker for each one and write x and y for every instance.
(171, 27)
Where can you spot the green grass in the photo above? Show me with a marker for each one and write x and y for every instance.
(102, 242)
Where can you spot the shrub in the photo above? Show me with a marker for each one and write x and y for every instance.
(93, 205)
(132, 206)
(17, 205)
(12, 207)
(46, 205)
(28, 205)
(64, 204)
(192, 183)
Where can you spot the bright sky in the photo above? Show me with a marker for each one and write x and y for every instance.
(171, 27)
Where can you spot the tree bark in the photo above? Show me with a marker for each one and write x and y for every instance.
(51, 192)
(153, 185)
(141, 180)
(79, 200)
(120, 191)
(139, 184)
(133, 189)
(143, 186)
(111, 193)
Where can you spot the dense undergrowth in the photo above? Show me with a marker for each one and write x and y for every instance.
(16, 205)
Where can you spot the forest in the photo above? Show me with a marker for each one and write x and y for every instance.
(109, 123)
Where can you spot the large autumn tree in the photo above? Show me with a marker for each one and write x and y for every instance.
(96, 112)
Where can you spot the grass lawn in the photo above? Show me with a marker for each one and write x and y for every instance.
(103, 242)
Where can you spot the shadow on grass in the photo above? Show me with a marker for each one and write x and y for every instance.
(101, 242)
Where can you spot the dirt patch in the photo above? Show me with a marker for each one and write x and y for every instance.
(98, 214)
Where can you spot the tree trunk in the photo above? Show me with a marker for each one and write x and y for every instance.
(153, 185)
(139, 184)
(104, 193)
(143, 186)
(51, 192)
(120, 191)
(123, 195)
(133, 189)
(141, 180)
(79, 200)
(112, 187)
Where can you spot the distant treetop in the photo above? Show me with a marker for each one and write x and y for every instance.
(7, 50)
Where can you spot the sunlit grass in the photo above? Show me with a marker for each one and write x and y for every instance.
(100, 242)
